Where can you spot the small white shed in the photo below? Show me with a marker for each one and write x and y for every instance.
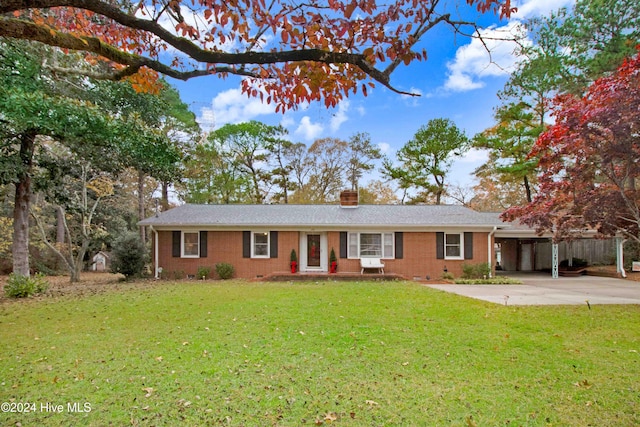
(100, 261)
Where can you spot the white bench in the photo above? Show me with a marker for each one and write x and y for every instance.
(371, 263)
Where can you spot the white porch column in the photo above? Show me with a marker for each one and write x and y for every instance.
(554, 260)
(620, 256)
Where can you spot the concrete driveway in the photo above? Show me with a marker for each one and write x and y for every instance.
(541, 289)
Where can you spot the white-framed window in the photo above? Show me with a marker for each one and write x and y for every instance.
(370, 245)
(260, 244)
(190, 244)
(454, 246)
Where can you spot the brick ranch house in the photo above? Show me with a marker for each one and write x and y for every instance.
(412, 241)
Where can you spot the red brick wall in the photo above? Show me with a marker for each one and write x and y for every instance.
(420, 257)
(226, 246)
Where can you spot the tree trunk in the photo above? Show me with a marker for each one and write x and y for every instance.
(164, 203)
(439, 197)
(141, 214)
(22, 205)
(60, 231)
(527, 188)
(78, 263)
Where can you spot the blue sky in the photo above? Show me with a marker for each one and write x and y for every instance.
(458, 82)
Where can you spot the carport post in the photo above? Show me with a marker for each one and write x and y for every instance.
(554, 260)
(620, 256)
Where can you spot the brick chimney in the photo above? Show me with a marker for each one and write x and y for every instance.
(349, 198)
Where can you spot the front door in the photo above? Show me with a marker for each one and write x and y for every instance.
(313, 252)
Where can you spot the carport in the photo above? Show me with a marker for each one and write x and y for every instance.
(521, 249)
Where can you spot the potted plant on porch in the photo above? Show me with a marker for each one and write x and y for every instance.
(333, 262)
(294, 261)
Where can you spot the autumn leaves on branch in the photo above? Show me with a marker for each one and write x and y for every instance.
(292, 52)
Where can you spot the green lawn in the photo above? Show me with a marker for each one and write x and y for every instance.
(353, 354)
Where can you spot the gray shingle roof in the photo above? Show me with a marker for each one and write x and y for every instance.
(324, 216)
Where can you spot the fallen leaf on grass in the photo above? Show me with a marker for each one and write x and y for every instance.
(149, 391)
(331, 417)
(371, 402)
(584, 383)
(184, 403)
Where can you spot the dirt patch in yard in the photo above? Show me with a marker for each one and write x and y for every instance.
(90, 284)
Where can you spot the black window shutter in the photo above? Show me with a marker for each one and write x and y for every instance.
(440, 245)
(175, 244)
(203, 244)
(399, 244)
(343, 244)
(468, 245)
(246, 244)
(273, 244)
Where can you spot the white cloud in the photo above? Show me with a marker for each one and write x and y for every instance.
(532, 8)
(495, 57)
(384, 147)
(340, 116)
(475, 155)
(491, 56)
(308, 130)
(287, 121)
(232, 106)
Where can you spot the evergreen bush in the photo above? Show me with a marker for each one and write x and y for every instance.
(476, 271)
(129, 255)
(204, 272)
(224, 270)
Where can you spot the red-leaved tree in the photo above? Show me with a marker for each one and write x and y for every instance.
(289, 51)
(590, 160)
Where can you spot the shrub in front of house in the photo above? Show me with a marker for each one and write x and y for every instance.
(501, 280)
(129, 255)
(447, 276)
(19, 286)
(224, 270)
(476, 271)
(204, 272)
